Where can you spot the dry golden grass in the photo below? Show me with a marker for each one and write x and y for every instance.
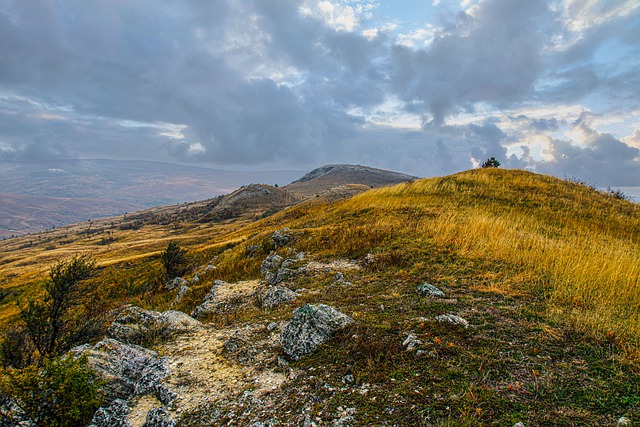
(578, 246)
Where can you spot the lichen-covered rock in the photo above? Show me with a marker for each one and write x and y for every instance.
(128, 369)
(452, 318)
(208, 304)
(275, 295)
(159, 417)
(135, 325)
(311, 326)
(428, 290)
(175, 283)
(282, 237)
(114, 415)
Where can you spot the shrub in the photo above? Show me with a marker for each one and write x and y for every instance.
(55, 324)
(63, 392)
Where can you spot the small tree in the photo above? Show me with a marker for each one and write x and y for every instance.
(174, 260)
(491, 162)
(53, 325)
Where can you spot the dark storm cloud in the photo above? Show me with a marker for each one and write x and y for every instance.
(493, 57)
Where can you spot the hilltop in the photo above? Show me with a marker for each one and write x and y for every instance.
(536, 318)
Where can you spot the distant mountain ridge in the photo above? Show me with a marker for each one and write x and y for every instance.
(45, 194)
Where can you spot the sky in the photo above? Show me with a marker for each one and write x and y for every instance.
(422, 87)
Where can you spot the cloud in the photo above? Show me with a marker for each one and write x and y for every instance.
(295, 82)
(604, 159)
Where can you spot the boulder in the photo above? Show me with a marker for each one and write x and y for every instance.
(129, 370)
(135, 325)
(452, 318)
(274, 296)
(428, 290)
(208, 304)
(311, 326)
(183, 290)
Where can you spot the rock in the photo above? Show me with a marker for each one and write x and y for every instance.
(275, 296)
(135, 325)
(273, 326)
(282, 237)
(128, 369)
(159, 417)
(428, 290)
(208, 304)
(624, 421)
(518, 425)
(115, 415)
(339, 277)
(348, 379)
(452, 318)
(411, 342)
(210, 267)
(236, 342)
(311, 326)
(271, 263)
(183, 290)
(175, 283)
(196, 278)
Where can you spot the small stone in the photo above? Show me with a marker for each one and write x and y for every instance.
(624, 421)
(175, 283)
(411, 342)
(452, 318)
(339, 277)
(427, 289)
(348, 379)
(272, 326)
(518, 425)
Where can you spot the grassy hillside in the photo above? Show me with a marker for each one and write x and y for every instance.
(546, 272)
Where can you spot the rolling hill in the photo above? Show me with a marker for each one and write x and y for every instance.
(537, 323)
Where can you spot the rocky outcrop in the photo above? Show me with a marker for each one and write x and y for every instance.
(135, 325)
(209, 302)
(428, 290)
(274, 296)
(311, 326)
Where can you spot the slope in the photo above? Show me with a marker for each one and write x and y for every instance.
(544, 271)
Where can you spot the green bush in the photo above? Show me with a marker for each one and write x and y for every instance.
(63, 392)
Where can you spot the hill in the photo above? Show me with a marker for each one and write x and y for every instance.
(537, 321)
(324, 178)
